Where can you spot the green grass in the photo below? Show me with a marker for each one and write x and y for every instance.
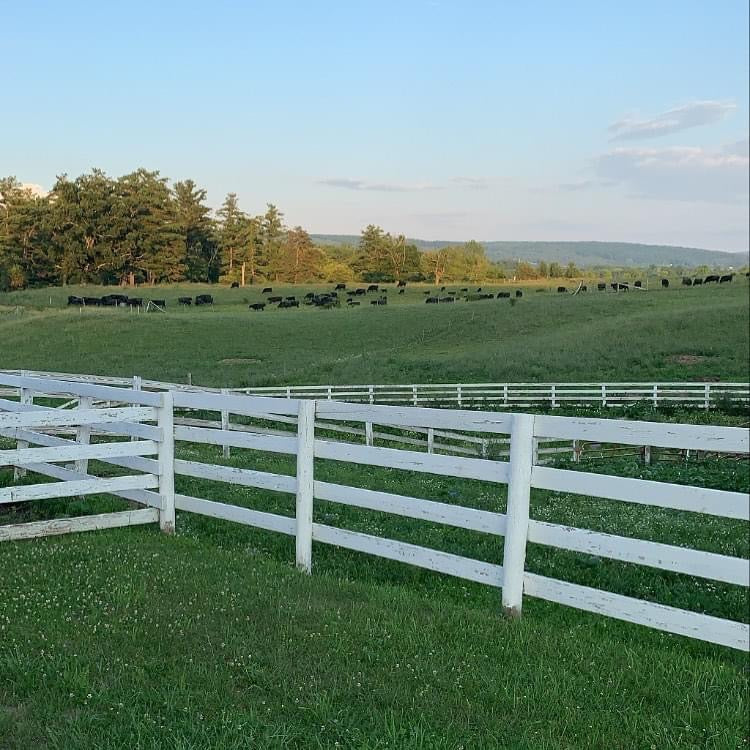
(211, 639)
(544, 337)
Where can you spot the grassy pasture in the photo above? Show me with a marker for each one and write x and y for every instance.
(210, 638)
(675, 334)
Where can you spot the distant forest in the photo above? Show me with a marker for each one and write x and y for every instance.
(139, 228)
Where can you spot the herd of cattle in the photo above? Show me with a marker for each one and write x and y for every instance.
(328, 300)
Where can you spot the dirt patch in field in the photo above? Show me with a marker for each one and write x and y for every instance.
(687, 359)
(240, 361)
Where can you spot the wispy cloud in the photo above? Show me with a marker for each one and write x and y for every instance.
(381, 187)
(675, 120)
(348, 183)
(681, 172)
(585, 185)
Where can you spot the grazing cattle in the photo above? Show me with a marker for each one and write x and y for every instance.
(503, 295)
(665, 283)
(162, 303)
(465, 289)
(452, 294)
(353, 303)
(267, 290)
(713, 278)
(726, 277)
(258, 306)
(92, 301)
(519, 293)
(135, 302)
(601, 287)
(381, 301)
(442, 288)
(185, 300)
(272, 300)
(427, 292)
(290, 299)
(372, 288)
(339, 287)
(686, 281)
(638, 284)
(361, 291)
(204, 299)
(584, 288)
(113, 300)
(310, 295)
(432, 301)
(401, 291)
(351, 293)
(447, 299)
(235, 285)
(697, 282)
(401, 283)
(286, 303)
(623, 287)
(479, 288)
(561, 290)
(73, 300)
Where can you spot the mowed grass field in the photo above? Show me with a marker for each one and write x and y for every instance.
(675, 334)
(211, 638)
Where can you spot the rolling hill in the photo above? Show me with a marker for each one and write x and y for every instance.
(581, 253)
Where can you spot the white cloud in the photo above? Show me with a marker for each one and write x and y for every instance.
(382, 187)
(674, 120)
(687, 173)
(473, 183)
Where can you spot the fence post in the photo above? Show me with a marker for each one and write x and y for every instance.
(459, 398)
(646, 454)
(707, 397)
(552, 394)
(165, 422)
(305, 478)
(430, 439)
(576, 451)
(137, 386)
(604, 395)
(225, 425)
(656, 395)
(414, 394)
(368, 433)
(370, 394)
(517, 513)
(505, 394)
(83, 435)
(25, 396)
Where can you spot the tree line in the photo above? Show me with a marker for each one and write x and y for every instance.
(140, 229)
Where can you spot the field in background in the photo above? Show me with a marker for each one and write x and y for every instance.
(675, 334)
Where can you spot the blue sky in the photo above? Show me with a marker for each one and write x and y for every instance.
(441, 120)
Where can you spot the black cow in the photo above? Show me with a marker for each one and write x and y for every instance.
(561, 290)
(401, 283)
(447, 299)
(290, 299)
(352, 303)
(311, 295)
(340, 286)
(162, 303)
(452, 294)
(351, 293)
(665, 283)
(519, 293)
(73, 300)
(267, 290)
(465, 289)
(286, 303)
(135, 302)
(713, 278)
(114, 300)
(185, 300)
(257, 306)
(92, 301)
(479, 288)
(503, 295)
(381, 301)
(442, 288)
(726, 277)
(204, 299)
(427, 292)
(401, 291)
(601, 287)
(686, 281)
(372, 288)
(697, 282)
(638, 284)
(271, 300)
(361, 291)
(432, 301)
(235, 285)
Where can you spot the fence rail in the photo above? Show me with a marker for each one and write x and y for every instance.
(521, 473)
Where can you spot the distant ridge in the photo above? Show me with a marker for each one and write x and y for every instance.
(580, 253)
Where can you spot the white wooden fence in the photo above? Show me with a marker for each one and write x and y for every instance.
(520, 473)
(465, 395)
(40, 449)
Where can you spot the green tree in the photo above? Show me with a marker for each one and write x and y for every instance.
(196, 231)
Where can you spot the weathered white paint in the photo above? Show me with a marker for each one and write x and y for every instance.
(82, 487)
(225, 449)
(36, 529)
(517, 515)
(305, 478)
(25, 396)
(233, 475)
(57, 418)
(247, 516)
(76, 452)
(83, 434)
(253, 441)
(166, 463)
(678, 621)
